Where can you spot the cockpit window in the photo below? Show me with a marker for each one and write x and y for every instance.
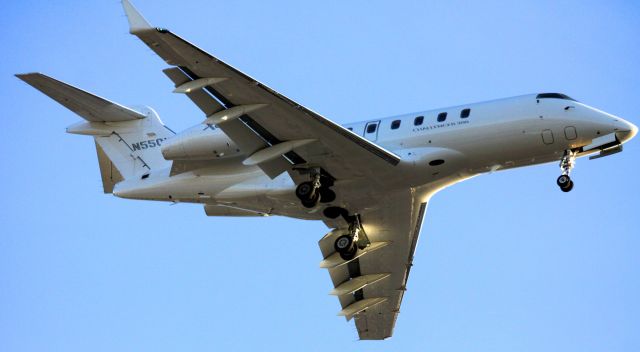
(554, 96)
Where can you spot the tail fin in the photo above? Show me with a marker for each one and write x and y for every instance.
(127, 141)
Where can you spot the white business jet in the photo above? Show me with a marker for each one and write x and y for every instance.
(258, 153)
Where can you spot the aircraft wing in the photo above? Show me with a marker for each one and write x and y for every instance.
(256, 117)
(371, 287)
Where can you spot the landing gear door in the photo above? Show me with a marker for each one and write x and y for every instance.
(371, 130)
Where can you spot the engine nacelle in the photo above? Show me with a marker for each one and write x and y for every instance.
(201, 142)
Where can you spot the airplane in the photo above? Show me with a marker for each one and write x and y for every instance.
(258, 153)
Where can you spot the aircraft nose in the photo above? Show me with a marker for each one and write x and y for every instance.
(625, 130)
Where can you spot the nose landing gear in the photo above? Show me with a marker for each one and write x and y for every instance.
(566, 164)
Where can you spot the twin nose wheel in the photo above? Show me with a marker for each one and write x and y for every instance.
(565, 183)
(566, 164)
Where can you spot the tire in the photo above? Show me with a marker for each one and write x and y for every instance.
(311, 203)
(343, 244)
(563, 181)
(568, 188)
(350, 254)
(304, 191)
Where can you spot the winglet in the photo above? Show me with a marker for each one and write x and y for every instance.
(137, 23)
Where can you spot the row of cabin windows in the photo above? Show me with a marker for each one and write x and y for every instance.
(395, 124)
(464, 113)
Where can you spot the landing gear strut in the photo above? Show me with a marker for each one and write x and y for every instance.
(347, 244)
(316, 190)
(566, 164)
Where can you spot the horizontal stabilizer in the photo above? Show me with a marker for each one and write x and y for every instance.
(88, 106)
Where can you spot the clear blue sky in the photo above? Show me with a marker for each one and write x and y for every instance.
(506, 262)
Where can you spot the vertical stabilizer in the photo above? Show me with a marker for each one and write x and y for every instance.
(127, 140)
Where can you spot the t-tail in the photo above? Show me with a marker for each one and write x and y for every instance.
(127, 141)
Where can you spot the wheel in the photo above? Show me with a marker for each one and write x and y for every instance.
(312, 202)
(568, 188)
(343, 244)
(350, 254)
(563, 181)
(304, 190)
(327, 195)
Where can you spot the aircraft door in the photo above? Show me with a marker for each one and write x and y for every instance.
(371, 130)
(547, 136)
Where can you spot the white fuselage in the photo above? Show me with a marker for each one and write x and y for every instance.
(496, 135)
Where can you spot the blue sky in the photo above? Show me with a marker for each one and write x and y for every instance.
(506, 262)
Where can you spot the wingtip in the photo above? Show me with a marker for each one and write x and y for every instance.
(22, 76)
(137, 23)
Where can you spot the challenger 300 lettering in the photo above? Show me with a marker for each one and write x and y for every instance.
(257, 153)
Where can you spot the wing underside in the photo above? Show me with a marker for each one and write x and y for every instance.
(380, 272)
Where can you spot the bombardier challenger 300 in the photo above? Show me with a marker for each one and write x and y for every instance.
(258, 153)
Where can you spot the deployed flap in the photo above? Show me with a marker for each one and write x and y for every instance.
(88, 106)
(357, 283)
(359, 306)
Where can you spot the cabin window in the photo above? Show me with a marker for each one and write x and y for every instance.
(465, 113)
(418, 121)
(372, 128)
(395, 124)
(442, 116)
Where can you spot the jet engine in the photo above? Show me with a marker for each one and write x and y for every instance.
(201, 142)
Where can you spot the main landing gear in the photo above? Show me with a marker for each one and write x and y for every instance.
(347, 244)
(317, 190)
(566, 164)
